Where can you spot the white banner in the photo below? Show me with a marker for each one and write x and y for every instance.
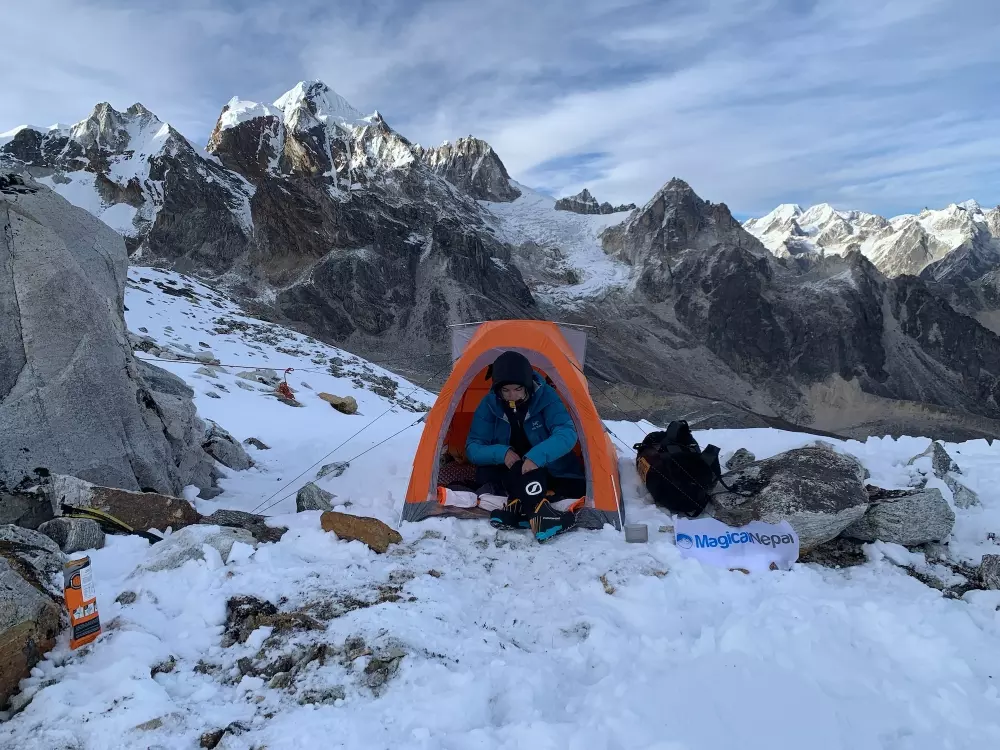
(752, 547)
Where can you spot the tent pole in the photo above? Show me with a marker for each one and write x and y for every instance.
(618, 502)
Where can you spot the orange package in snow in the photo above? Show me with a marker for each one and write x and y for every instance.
(81, 601)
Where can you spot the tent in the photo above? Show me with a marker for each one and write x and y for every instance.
(556, 351)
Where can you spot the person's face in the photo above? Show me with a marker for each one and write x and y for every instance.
(513, 392)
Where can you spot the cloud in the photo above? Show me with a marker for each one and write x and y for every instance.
(883, 106)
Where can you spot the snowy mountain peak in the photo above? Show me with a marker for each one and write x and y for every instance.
(905, 244)
(472, 165)
(309, 102)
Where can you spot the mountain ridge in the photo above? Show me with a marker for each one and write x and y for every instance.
(332, 222)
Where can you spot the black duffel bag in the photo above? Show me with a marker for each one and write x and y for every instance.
(677, 472)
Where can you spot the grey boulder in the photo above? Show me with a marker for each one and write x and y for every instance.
(72, 399)
(311, 497)
(907, 517)
(989, 572)
(818, 491)
(224, 448)
(31, 615)
(74, 534)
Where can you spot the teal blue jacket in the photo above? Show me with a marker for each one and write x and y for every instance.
(547, 425)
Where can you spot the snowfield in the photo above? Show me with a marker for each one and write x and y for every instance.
(465, 637)
(568, 242)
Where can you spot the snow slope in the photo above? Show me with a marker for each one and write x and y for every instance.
(463, 637)
(566, 242)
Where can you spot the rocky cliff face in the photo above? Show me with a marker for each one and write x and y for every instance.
(829, 342)
(585, 203)
(473, 167)
(73, 400)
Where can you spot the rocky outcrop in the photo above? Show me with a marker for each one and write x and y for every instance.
(585, 203)
(74, 534)
(907, 517)
(139, 510)
(818, 491)
(473, 167)
(31, 611)
(73, 400)
(311, 497)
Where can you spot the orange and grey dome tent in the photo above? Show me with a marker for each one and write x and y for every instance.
(557, 352)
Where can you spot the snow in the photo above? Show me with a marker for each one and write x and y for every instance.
(571, 240)
(885, 242)
(239, 111)
(330, 107)
(585, 642)
(80, 189)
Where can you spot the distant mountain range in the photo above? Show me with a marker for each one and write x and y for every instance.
(330, 221)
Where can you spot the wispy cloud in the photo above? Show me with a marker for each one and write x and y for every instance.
(885, 106)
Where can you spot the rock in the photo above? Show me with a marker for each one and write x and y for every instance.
(907, 517)
(818, 491)
(256, 525)
(962, 496)
(213, 394)
(989, 572)
(739, 459)
(377, 535)
(471, 165)
(207, 371)
(343, 404)
(836, 553)
(140, 510)
(188, 544)
(265, 376)
(74, 534)
(40, 554)
(287, 401)
(126, 597)
(246, 386)
(311, 497)
(225, 449)
(258, 444)
(30, 615)
(244, 614)
(72, 397)
(206, 357)
(337, 468)
(29, 509)
(941, 462)
(173, 400)
(585, 203)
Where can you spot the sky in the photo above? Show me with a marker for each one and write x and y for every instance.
(886, 106)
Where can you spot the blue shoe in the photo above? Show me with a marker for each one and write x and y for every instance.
(546, 521)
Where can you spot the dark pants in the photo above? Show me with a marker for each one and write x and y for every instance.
(509, 482)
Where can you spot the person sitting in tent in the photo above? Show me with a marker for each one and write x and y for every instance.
(521, 441)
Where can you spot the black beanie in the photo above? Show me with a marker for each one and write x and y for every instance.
(513, 368)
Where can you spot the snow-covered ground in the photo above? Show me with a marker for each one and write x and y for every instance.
(568, 242)
(465, 637)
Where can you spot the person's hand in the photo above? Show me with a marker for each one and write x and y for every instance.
(528, 465)
(511, 458)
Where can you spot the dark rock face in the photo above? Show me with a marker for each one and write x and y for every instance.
(472, 166)
(826, 341)
(585, 203)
